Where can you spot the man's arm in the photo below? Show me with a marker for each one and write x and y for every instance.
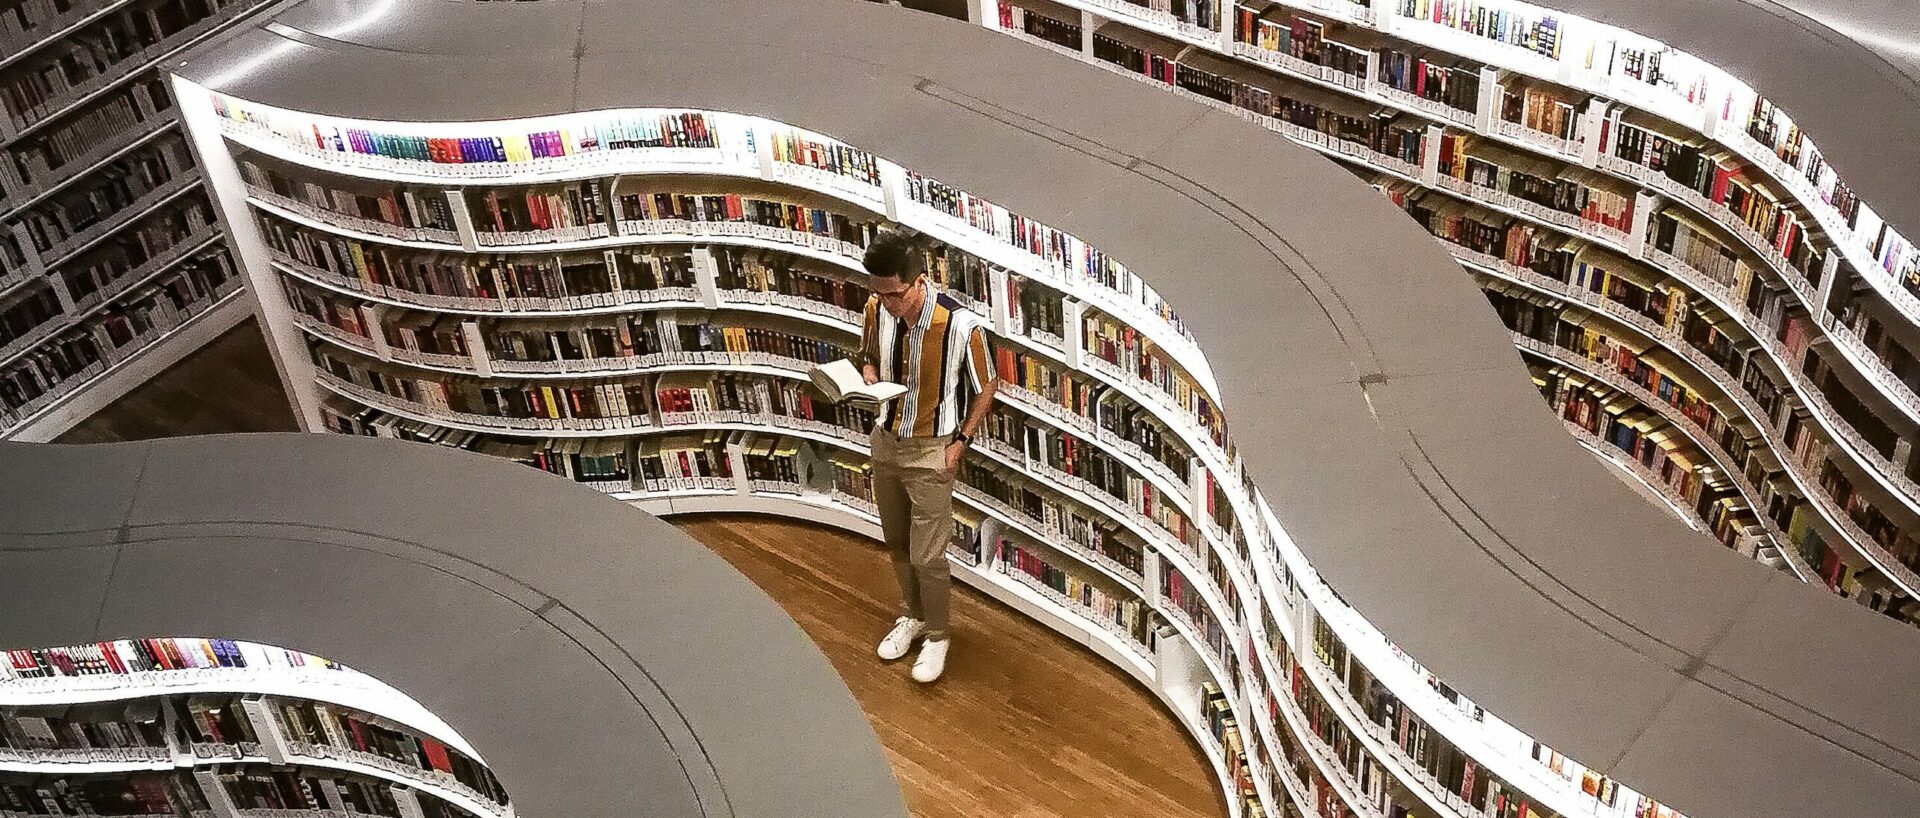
(980, 362)
(870, 341)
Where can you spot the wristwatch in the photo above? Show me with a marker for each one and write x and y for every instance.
(963, 438)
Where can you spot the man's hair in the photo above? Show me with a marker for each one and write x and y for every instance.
(892, 255)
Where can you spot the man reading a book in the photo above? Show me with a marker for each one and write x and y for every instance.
(918, 336)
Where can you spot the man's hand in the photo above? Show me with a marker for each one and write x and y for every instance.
(869, 374)
(954, 451)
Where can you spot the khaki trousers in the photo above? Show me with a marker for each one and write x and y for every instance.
(915, 495)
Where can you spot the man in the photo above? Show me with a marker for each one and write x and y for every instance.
(914, 335)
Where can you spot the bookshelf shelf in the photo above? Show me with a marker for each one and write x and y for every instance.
(1058, 350)
(1883, 473)
(138, 359)
(1569, 152)
(1364, 399)
(1638, 477)
(877, 199)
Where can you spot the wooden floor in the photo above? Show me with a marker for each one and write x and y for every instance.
(1025, 724)
(228, 385)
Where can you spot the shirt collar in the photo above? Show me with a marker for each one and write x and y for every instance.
(926, 307)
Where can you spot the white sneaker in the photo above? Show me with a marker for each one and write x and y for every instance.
(932, 661)
(900, 639)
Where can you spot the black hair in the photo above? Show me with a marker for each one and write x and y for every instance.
(892, 255)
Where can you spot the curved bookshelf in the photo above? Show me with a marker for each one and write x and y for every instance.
(1258, 571)
(53, 711)
(1221, 588)
(1028, 21)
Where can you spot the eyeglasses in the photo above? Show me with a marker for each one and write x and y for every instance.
(896, 295)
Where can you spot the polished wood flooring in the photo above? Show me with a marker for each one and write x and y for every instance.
(1025, 724)
(229, 385)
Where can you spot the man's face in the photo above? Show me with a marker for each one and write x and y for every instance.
(896, 295)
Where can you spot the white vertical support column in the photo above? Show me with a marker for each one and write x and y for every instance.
(285, 341)
(144, 101)
(990, 531)
(266, 726)
(1489, 106)
(477, 348)
(10, 181)
(62, 292)
(613, 205)
(463, 220)
(1430, 156)
(893, 188)
(763, 151)
(1197, 485)
(330, 796)
(1591, 127)
(25, 241)
(1001, 312)
(1150, 576)
(737, 460)
(983, 12)
(1823, 298)
(1380, 13)
(375, 317)
(1072, 311)
(216, 794)
(1643, 207)
(1089, 25)
(1902, 454)
(408, 801)
(706, 277)
(177, 744)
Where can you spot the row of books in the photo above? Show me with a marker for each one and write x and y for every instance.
(734, 207)
(109, 191)
(626, 402)
(1043, 508)
(1079, 396)
(1542, 111)
(767, 271)
(73, 355)
(1216, 712)
(405, 207)
(1587, 201)
(1640, 438)
(129, 656)
(793, 147)
(313, 789)
(1179, 591)
(540, 281)
(1118, 611)
(1300, 37)
(114, 118)
(1492, 20)
(608, 132)
(1394, 723)
(548, 207)
(48, 81)
(329, 725)
(1136, 355)
(136, 250)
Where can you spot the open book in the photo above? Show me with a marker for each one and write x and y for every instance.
(842, 381)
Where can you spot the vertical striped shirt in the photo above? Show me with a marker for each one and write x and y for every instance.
(941, 358)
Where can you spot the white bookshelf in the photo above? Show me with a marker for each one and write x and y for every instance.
(1891, 490)
(1173, 676)
(47, 390)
